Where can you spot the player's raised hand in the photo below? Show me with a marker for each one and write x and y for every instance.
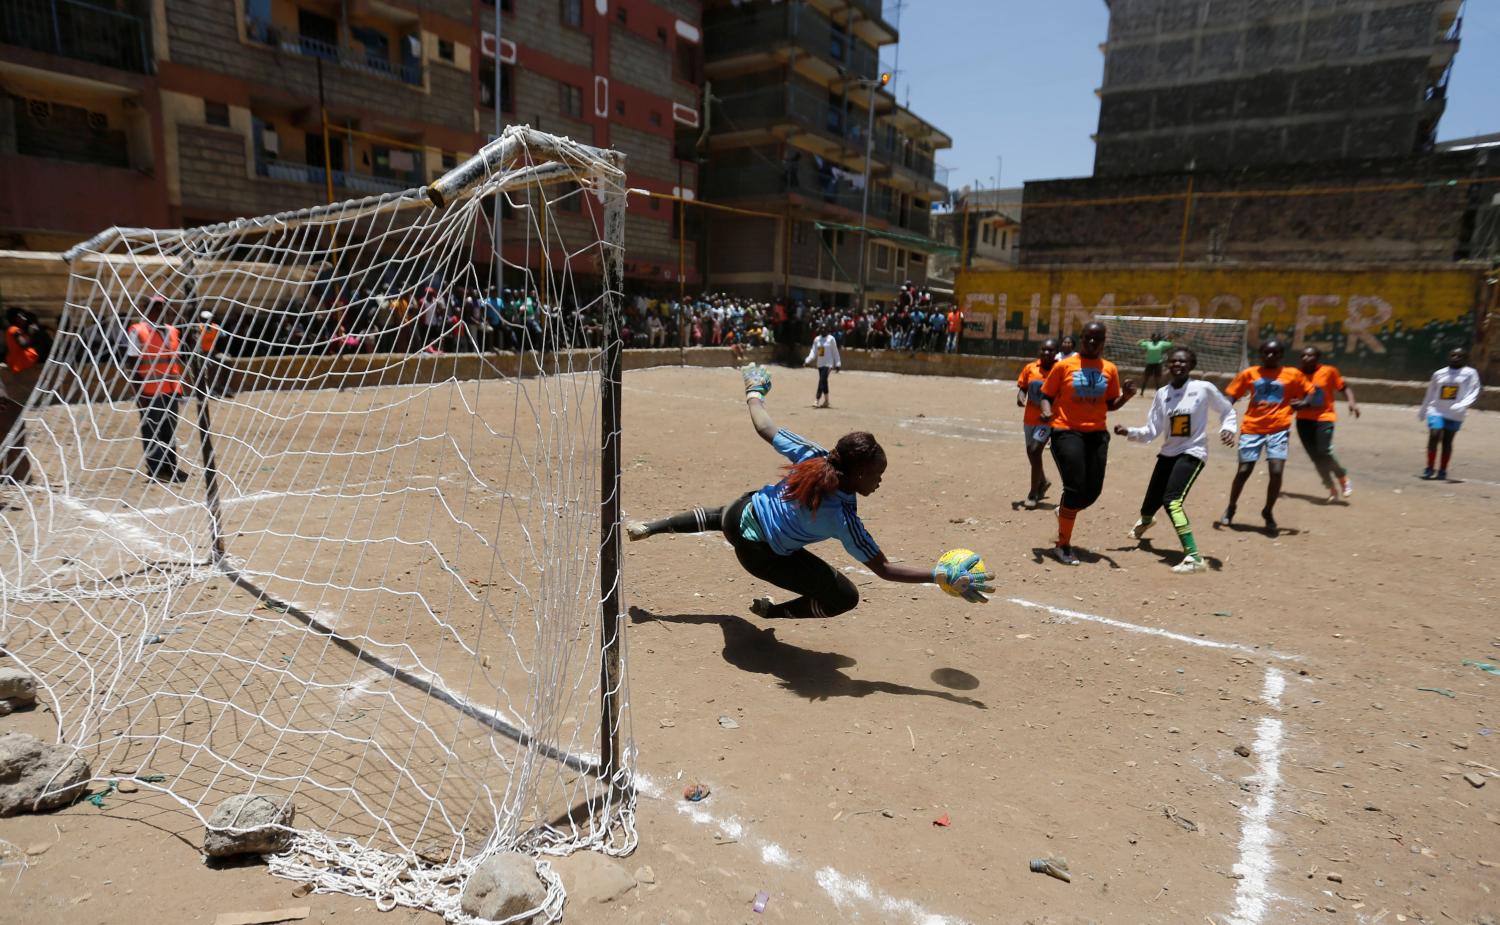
(757, 380)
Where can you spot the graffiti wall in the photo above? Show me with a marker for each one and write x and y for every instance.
(1383, 324)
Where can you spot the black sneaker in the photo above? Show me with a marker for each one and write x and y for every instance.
(1270, 521)
(1227, 519)
(1063, 554)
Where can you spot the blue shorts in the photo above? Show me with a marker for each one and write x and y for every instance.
(1275, 445)
(1438, 422)
(1037, 435)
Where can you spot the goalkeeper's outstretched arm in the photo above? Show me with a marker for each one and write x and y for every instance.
(757, 384)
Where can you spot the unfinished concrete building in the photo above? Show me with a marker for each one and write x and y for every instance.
(1216, 84)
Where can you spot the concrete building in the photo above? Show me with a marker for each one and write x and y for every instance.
(1217, 84)
(181, 112)
(794, 88)
(983, 229)
(1271, 131)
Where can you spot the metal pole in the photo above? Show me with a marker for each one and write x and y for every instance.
(611, 677)
(864, 209)
(497, 223)
(681, 208)
(327, 150)
(197, 360)
(1187, 211)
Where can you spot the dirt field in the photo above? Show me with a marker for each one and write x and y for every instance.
(1091, 714)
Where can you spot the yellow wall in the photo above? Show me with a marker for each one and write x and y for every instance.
(1379, 323)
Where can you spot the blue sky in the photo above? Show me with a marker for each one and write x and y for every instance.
(1016, 78)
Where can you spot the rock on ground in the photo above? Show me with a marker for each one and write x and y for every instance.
(17, 690)
(590, 877)
(36, 776)
(257, 817)
(503, 886)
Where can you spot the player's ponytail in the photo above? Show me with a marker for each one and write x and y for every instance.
(811, 481)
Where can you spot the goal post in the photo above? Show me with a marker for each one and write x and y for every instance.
(1220, 343)
(352, 539)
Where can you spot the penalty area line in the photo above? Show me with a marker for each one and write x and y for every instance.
(1157, 631)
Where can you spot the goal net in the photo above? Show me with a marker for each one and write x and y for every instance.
(355, 545)
(1220, 343)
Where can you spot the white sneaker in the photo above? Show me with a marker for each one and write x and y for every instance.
(1141, 526)
(637, 530)
(1348, 486)
(1189, 565)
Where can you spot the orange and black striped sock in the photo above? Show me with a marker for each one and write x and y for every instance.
(1066, 517)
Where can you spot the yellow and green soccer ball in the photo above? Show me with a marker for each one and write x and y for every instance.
(953, 558)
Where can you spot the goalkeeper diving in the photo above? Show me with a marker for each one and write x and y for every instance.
(816, 500)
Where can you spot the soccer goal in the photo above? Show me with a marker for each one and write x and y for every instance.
(1220, 343)
(356, 546)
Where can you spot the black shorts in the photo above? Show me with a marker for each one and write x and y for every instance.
(801, 572)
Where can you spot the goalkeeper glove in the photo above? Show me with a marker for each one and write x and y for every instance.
(972, 586)
(757, 380)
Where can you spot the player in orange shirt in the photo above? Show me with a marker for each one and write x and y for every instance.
(1316, 418)
(1029, 396)
(1276, 393)
(1078, 394)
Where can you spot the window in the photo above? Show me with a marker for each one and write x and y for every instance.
(445, 50)
(216, 113)
(314, 148)
(655, 118)
(450, 160)
(661, 35)
(1004, 240)
(572, 13)
(622, 15)
(571, 99)
(620, 107)
(570, 197)
(687, 62)
(915, 258)
(507, 86)
(655, 204)
(799, 232)
(882, 258)
(318, 35)
(985, 233)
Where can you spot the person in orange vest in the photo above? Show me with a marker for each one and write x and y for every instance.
(154, 344)
(25, 340)
(955, 326)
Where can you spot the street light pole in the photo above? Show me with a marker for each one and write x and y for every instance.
(864, 208)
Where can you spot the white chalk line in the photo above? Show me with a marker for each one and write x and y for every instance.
(120, 527)
(847, 893)
(1154, 631)
(1252, 895)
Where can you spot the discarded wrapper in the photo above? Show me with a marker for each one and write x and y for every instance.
(761, 899)
(942, 821)
(695, 792)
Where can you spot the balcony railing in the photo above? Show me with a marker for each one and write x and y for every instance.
(774, 104)
(60, 132)
(366, 60)
(77, 30)
(763, 28)
(344, 179)
(833, 187)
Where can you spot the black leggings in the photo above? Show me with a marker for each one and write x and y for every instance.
(1081, 457)
(823, 592)
(823, 381)
(1317, 439)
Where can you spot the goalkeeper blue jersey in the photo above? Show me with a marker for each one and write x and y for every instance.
(786, 526)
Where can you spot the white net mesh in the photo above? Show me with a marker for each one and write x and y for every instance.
(414, 489)
(1219, 342)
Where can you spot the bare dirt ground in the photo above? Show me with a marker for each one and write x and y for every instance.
(1089, 713)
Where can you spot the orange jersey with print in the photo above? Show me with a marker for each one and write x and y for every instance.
(1078, 389)
(1324, 385)
(1271, 397)
(1030, 381)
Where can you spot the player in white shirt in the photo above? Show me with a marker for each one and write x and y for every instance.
(1450, 393)
(825, 353)
(1180, 410)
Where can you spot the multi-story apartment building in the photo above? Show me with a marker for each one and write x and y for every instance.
(165, 112)
(792, 88)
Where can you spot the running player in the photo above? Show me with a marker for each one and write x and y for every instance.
(816, 500)
(1180, 410)
(1075, 398)
(1450, 393)
(825, 352)
(1067, 347)
(1029, 396)
(1275, 391)
(1316, 418)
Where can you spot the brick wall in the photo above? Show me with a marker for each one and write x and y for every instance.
(1422, 224)
(538, 24)
(203, 35)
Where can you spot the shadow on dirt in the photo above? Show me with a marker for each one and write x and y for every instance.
(804, 672)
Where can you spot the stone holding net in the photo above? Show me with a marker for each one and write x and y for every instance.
(380, 578)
